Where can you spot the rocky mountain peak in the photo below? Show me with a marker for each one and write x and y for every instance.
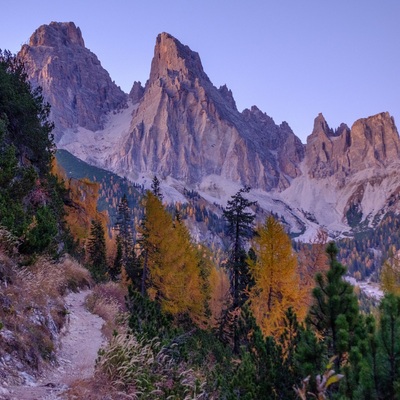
(57, 34)
(172, 58)
(371, 142)
(136, 92)
(321, 127)
(228, 96)
(375, 140)
(78, 88)
(187, 129)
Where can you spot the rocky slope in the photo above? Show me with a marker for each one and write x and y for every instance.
(79, 89)
(189, 133)
(349, 175)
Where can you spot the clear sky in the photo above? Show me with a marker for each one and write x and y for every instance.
(291, 58)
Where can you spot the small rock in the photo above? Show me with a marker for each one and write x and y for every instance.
(29, 379)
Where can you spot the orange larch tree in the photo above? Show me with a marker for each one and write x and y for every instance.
(276, 281)
(173, 266)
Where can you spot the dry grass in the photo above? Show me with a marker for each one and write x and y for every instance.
(143, 369)
(108, 301)
(132, 369)
(32, 309)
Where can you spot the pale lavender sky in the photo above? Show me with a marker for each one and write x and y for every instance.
(291, 58)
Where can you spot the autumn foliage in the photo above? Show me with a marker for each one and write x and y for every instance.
(276, 286)
(80, 205)
(173, 265)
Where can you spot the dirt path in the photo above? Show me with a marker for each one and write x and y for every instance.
(76, 356)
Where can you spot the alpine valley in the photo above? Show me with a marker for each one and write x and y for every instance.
(190, 134)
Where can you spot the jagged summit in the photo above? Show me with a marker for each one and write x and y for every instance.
(57, 34)
(78, 88)
(371, 142)
(172, 58)
(136, 93)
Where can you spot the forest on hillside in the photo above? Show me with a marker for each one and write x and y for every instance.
(258, 320)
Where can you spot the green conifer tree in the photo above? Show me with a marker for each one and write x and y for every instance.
(389, 334)
(117, 264)
(124, 227)
(30, 196)
(240, 229)
(97, 251)
(334, 313)
(156, 188)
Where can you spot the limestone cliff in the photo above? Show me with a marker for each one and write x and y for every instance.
(78, 88)
(371, 142)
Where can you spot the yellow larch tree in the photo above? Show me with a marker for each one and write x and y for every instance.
(173, 266)
(390, 274)
(81, 208)
(312, 259)
(220, 295)
(276, 281)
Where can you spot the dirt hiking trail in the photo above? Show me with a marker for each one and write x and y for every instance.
(76, 357)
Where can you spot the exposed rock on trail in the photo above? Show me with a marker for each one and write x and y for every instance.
(76, 357)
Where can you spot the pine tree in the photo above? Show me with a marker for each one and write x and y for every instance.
(240, 229)
(156, 189)
(30, 202)
(134, 270)
(309, 356)
(97, 251)
(117, 264)
(124, 228)
(25, 114)
(389, 334)
(334, 313)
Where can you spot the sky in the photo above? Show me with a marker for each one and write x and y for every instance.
(292, 59)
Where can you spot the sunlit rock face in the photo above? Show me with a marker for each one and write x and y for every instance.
(371, 142)
(186, 128)
(78, 88)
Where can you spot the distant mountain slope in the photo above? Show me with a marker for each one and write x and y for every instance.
(112, 186)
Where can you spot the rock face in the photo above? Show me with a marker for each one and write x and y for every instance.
(186, 128)
(371, 142)
(78, 88)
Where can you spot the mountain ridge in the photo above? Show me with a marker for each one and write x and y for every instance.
(189, 133)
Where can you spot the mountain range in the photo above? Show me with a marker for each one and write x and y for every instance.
(189, 133)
